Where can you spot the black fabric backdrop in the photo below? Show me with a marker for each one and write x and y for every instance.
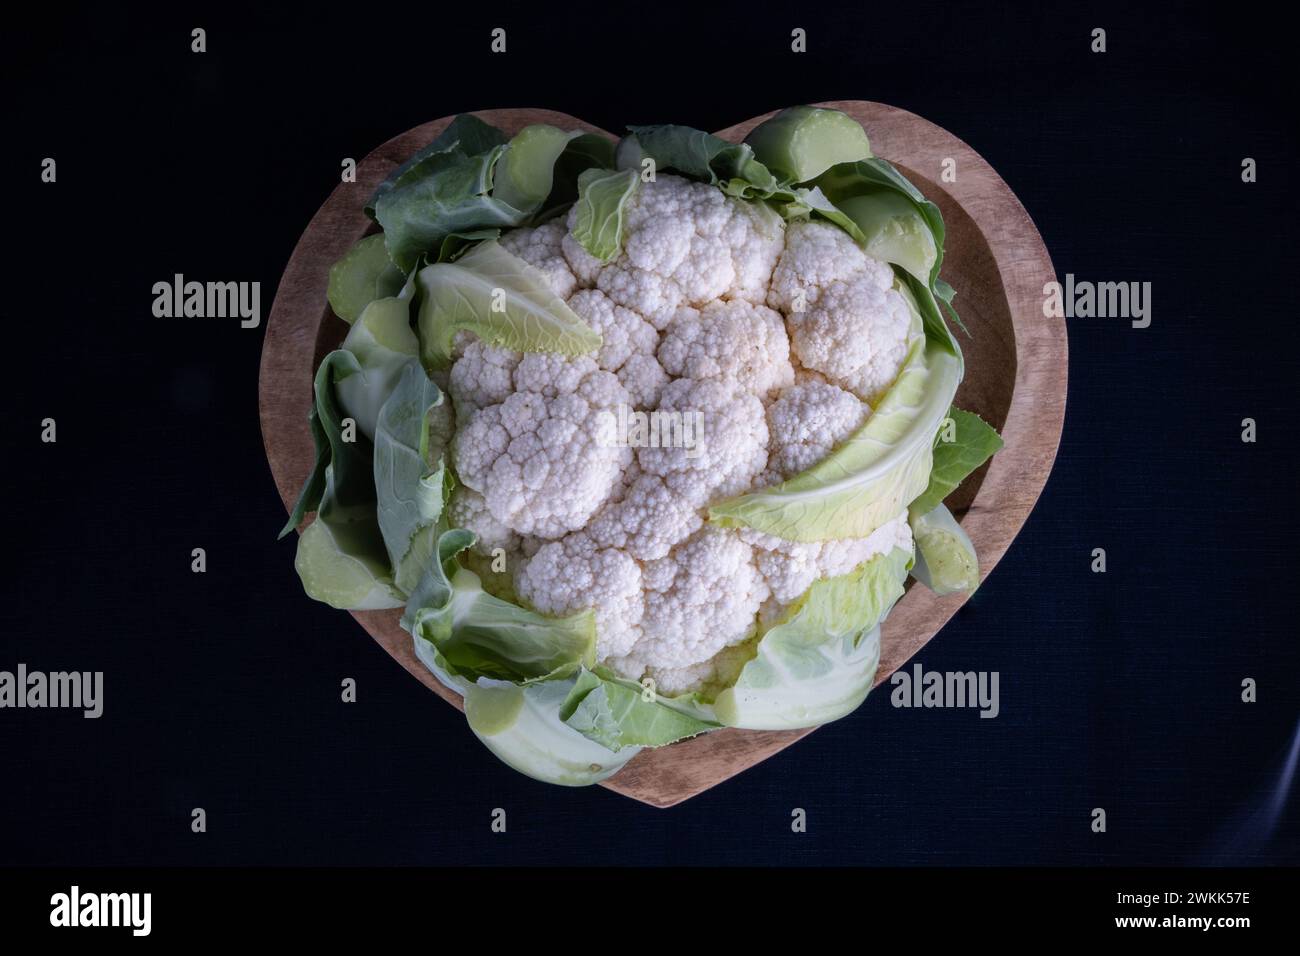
(1119, 690)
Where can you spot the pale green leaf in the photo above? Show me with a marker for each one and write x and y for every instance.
(602, 196)
(971, 443)
(526, 172)
(336, 572)
(364, 274)
(817, 662)
(383, 343)
(343, 562)
(618, 713)
(800, 143)
(479, 635)
(945, 558)
(410, 474)
(534, 741)
(501, 299)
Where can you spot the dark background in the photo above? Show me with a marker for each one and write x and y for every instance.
(222, 690)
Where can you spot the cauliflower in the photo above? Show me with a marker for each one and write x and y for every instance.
(482, 376)
(573, 573)
(846, 320)
(467, 509)
(815, 255)
(542, 248)
(856, 334)
(806, 424)
(674, 433)
(685, 244)
(644, 378)
(790, 567)
(628, 345)
(703, 596)
(734, 340)
(754, 346)
(539, 458)
(725, 458)
(647, 521)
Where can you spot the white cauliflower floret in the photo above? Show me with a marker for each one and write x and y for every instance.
(467, 509)
(628, 345)
(541, 458)
(856, 334)
(542, 248)
(644, 378)
(586, 267)
(670, 223)
(483, 375)
(572, 574)
(684, 243)
(719, 671)
(648, 293)
(672, 681)
(551, 375)
(845, 319)
(647, 521)
(817, 254)
(790, 567)
(806, 424)
(735, 340)
(663, 219)
(623, 333)
(728, 451)
(756, 237)
(702, 597)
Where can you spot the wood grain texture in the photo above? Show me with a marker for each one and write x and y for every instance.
(1015, 379)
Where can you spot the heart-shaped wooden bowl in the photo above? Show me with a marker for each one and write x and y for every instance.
(1015, 379)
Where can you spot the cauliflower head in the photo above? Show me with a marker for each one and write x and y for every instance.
(751, 347)
(644, 438)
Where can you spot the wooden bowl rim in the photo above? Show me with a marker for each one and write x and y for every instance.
(1011, 486)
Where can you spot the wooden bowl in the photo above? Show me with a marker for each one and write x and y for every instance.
(1015, 379)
